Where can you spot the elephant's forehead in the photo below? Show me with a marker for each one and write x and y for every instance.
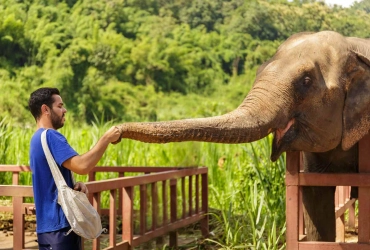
(313, 50)
(313, 42)
(295, 43)
(304, 45)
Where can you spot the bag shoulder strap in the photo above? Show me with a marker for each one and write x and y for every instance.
(57, 175)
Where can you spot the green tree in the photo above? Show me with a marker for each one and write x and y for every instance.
(207, 13)
(362, 5)
(13, 43)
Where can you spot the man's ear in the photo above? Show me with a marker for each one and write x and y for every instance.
(356, 112)
(44, 109)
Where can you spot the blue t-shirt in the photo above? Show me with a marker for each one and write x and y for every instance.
(49, 214)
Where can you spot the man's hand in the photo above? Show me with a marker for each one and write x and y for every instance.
(79, 186)
(120, 134)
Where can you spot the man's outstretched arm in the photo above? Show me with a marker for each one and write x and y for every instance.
(82, 164)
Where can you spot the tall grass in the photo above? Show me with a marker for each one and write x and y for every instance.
(249, 195)
(247, 192)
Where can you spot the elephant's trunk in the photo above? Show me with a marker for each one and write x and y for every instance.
(251, 121)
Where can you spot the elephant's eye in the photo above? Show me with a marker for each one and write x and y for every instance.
(307, 81)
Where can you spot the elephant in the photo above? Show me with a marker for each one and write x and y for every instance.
(313, 95)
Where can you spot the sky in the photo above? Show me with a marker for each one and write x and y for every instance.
(344, 3)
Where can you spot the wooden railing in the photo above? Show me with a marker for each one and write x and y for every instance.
(191, 201)
(343, 203)
(295, 179)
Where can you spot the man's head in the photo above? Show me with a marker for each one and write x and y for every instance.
(47, 101)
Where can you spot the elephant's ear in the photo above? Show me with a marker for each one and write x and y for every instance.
(356, 114)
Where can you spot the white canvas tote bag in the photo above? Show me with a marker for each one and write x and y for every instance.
(81, 215)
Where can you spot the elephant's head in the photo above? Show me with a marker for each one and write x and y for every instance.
(313, 94)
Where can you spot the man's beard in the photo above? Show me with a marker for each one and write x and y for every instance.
(56, 121)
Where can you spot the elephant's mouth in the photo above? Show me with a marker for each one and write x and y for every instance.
(282, 138)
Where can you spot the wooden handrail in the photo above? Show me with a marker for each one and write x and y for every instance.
(332, 179)
(98, 186)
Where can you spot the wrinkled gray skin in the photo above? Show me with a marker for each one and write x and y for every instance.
(313, 94)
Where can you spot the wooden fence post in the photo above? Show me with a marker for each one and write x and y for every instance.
(18, 223)
(96, 204)
(127, 215)
(292, 199)
(112, 217)
(143, 209)
(204, 222)
(173, 209)
(364, 192)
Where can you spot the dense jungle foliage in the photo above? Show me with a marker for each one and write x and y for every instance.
(148, 60)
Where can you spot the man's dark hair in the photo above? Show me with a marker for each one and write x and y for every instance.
(39, 97)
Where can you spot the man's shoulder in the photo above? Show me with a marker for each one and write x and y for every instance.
(36, 136)
(53, 136)
(56, 133)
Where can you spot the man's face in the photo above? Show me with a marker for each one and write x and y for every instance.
(57, 112)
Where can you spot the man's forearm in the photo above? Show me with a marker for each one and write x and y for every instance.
(83, 164)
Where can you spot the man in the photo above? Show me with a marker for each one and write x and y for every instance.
(48, 109)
